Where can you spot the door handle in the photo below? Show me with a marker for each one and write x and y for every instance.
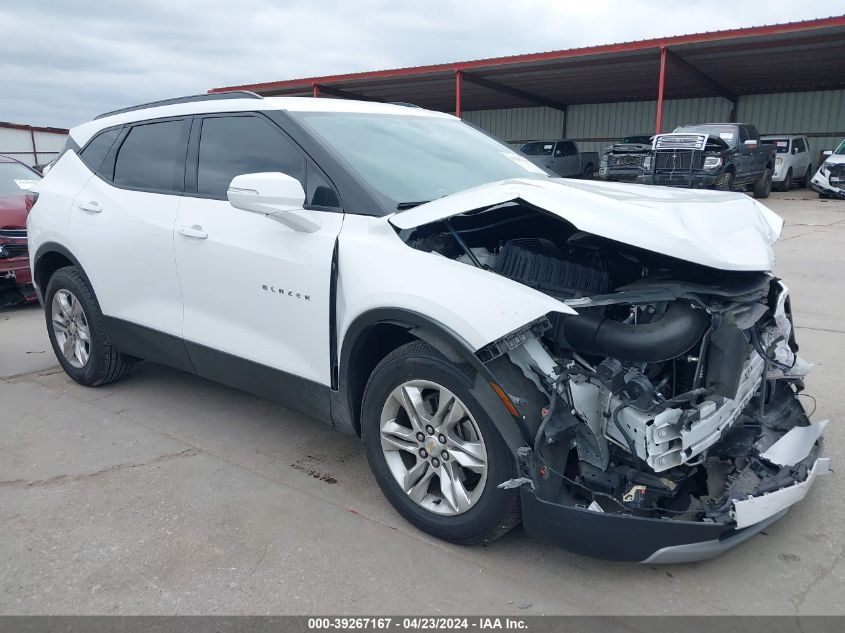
(194, 231)
(92, 206)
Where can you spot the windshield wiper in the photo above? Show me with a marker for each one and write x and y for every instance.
(410, 205)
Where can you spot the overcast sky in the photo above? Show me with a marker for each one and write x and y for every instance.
(63, 62)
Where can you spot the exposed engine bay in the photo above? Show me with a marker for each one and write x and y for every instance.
(673, 393)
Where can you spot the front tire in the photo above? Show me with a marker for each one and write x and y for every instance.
(786, 185)
(763, 185)
(725, 182)
(433, 449)
(77, 332)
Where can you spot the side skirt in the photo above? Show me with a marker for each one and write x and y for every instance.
(272, 384)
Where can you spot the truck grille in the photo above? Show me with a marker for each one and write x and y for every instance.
(674, 161)
(838, 171)
(680, 141)
(624, 160)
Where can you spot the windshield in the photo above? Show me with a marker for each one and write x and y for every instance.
(537, 148)
(414, 159)
(639, 140)
(725, 132)
(840, 150)
(781, 144)
(16, 179)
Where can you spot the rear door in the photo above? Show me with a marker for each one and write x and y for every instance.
(253, 288)
(121, 223)
(570, 164)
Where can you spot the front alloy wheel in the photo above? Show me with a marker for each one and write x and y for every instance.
(433, 447)
(70, 327)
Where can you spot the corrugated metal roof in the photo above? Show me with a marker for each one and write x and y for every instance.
(807, 55)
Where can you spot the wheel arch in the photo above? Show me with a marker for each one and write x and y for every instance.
(376, 333)
(50, 257)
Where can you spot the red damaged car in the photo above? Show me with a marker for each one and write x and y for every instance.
(15, 203)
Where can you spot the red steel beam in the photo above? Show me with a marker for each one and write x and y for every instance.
(315, 90)
(458, 93)
(699, 38)
(661, 83)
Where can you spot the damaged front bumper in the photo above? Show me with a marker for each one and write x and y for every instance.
(729, 466)
(590, 531)
(828, 183)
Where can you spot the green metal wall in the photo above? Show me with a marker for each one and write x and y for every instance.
(821, 115)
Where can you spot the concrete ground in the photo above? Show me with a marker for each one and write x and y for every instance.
(165, 493)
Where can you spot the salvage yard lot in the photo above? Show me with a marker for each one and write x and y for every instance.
(165, 493)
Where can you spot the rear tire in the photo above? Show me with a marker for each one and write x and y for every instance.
(77, 331)
(725, 182)
(589, 171)
(763, 184)
(418, 476)
(786, 185)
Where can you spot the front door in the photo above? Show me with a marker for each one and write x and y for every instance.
(253, 288)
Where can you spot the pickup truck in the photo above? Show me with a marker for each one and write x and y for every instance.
(724, 156)
(623, 161)
(562, 157)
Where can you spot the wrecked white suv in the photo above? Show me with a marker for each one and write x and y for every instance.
(829, 180)
(613, 365)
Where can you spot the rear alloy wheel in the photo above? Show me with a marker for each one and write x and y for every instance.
(77, 332)
(786, 185)
(433, 449)
(763, 184)
(70, 328)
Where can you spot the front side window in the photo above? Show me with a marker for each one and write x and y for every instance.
(151, 157)
(537, 148)
(235, 145)
(16, 179)
(411, 159)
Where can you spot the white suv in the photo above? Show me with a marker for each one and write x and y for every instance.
(612, 364)
(792, 160)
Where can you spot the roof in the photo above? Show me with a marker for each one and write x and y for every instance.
(182, 106)
(807, 55)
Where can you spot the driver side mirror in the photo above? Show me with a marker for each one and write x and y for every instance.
(751, 142)
(275, 195)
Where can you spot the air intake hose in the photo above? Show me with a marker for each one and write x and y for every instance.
(667, 336)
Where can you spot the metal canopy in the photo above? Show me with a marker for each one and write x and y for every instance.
(797, 56)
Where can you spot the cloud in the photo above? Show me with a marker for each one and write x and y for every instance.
(62, 63)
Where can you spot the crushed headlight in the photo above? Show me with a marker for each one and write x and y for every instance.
(647, 162)
(712, 161)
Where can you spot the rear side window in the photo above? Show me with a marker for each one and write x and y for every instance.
(95, 152)
(566, 149)
(235, 145)
(151, 157)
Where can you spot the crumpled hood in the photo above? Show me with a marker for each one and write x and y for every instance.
(728, 231)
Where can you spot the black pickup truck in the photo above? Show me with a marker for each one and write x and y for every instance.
(724, 156)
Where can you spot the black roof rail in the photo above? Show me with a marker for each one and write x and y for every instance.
(215, 96)
(404, 103)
